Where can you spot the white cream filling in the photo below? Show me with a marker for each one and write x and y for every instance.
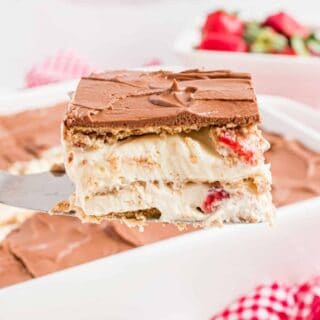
(181, 157)
(171, 173)
(170, 202)
(180, 204)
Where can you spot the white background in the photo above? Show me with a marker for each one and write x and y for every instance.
(111, 33)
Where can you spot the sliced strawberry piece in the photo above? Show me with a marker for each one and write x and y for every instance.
(287, 25)
(214, 197)
(223, 42)
(223, 22)
(236, 147)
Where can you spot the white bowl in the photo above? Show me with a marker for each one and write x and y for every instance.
(290, 76)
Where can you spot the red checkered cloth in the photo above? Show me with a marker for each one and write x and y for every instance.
(153, 62)
(66, 65)
(277, 302)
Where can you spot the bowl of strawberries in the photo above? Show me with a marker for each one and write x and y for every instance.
(279, 33)
(282, 53)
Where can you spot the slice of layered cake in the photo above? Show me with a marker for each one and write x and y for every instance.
(174, 147)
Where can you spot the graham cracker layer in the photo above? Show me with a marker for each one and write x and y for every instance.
(65, 208)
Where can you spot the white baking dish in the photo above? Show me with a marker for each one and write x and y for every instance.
(189, 277)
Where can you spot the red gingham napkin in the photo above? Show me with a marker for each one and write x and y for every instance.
(66, 65)
(276, 302)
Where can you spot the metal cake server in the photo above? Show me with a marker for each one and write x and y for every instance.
(38, 192)
(41, 191)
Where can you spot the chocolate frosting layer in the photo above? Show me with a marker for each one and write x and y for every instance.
(26, 135)
(11, 269)
(124, 100)
(295, 170)
(46, 243)
(153, 232)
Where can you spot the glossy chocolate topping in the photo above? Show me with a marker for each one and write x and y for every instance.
(121, 100)
(11, 269)
(24, 136)
(46, 243)
(153, 232)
